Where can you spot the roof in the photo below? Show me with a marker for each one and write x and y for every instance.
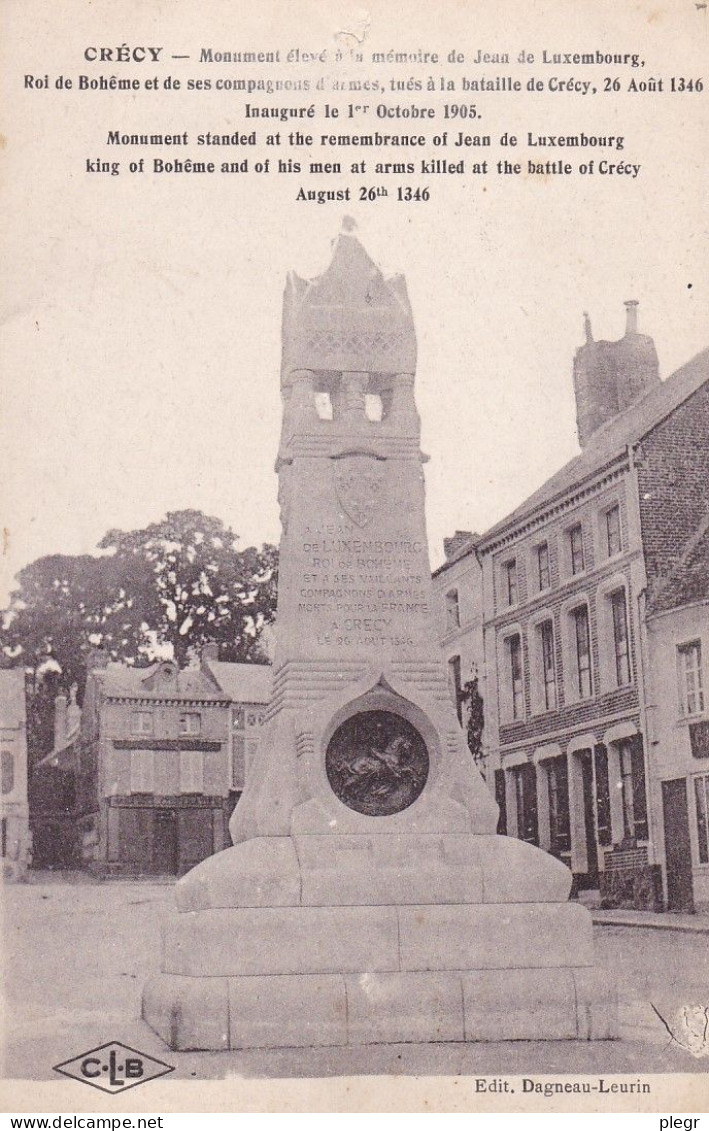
(613, 438)
(688, 582)
(121, 681)
(244, 683)
(12, 698)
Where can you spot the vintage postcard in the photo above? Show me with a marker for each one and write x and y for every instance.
(354, 651)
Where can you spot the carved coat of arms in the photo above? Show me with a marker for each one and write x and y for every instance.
(358, 481)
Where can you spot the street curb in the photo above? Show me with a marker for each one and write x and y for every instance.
(621, 921)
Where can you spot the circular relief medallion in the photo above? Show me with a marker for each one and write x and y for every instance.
(377, 763)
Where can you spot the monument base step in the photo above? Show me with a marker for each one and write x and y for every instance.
(307, 1010)
(253, 941)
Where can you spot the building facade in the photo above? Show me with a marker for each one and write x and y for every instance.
(149, 781)
(14, 812)
(564, 718)
(565, 585)
(457, 589)
(678, 718)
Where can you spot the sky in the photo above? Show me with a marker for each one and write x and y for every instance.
(142, 325)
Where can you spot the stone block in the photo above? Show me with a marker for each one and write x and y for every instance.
(388, 1008)
(188, 1013)
(281, 940)
(596, 1004)
(380, 870)
(516, 872)
(258, 873)
(287, 1011)
(491, 936)
(519, 1005)
(433, 812)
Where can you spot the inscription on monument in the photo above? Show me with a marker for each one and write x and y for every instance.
(377, 763)
(365, 585)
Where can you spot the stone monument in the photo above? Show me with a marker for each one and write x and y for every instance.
(367, 897)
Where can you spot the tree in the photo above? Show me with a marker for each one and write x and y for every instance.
(203, 588)
(472, 700)
(181, 582)
(62, 607)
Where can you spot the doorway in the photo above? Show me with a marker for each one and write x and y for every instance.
(164, 854)
(678, 852)
(589, 880)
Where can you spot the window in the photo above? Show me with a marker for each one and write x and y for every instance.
(191, 771)
(632, 781)
(582, 642)
(142, 722)
(513, 646)
(238, 762)
(559, 819)
(543, 576)
(691, 690)
(546, 639)
(3, 846)
(250, 753)
(603, 796)
(373, 407)
(455, 684)
(525, 782)
(501, 799)
(190, 722)
(621, 647)
(8, 771)
(613, 531)
(323, 405)
(576, 549)
(701, 794)
(238, 718)
(510, 580)
(452, 610)
(142, 771)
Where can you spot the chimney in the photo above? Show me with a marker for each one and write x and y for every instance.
(97, 658)
(631, 317)
(610, 376)
(73, 714)
(637, 367)
(61, 723)
(210, 652)
(460, 540)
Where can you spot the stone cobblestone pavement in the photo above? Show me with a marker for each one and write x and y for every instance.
(76, 955)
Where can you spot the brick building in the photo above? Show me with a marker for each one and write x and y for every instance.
(678, 722)
(148, 781)
(14, 813)
(565, 584)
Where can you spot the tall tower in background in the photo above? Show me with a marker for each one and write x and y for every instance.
(610, 376)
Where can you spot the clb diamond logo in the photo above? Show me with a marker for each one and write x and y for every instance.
(113, 1067)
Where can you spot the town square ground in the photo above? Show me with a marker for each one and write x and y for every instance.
(76, 955)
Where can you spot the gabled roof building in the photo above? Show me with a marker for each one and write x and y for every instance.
(147, 782)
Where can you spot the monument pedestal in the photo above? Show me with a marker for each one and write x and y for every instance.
(367, 898)
(322, 940)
